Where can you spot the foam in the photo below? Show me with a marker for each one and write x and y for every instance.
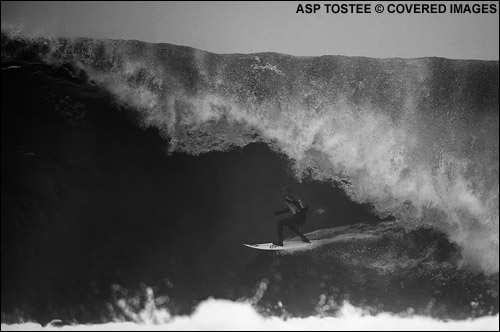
(225, 315)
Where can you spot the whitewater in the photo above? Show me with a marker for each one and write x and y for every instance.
(243, 317)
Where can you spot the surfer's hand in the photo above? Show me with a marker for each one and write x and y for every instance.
(305, 208)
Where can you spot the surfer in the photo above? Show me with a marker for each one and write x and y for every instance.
(298, 210)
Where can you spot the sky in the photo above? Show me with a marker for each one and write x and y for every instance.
(251, 27)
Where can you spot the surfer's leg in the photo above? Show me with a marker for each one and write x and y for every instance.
(279, 227)
(299, 220)
(297, 231)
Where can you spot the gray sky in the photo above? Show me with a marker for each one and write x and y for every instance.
(248, 27)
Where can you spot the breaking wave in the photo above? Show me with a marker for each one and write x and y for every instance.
(415, 138)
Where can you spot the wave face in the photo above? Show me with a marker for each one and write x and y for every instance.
(416, 139)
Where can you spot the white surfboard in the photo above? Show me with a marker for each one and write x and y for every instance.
(287, 245)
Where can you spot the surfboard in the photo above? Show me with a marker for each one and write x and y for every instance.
(290, 245)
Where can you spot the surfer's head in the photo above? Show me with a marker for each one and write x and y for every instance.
(286, 190)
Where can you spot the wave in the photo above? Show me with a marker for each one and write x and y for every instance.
(243, 316)
(415, 138)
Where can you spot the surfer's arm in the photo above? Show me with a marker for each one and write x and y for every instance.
(281, 212)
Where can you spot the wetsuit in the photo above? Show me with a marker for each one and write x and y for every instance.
(298, 219)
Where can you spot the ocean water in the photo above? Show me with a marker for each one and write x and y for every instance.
(132, 173)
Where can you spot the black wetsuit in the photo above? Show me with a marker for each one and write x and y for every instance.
(298, 219)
